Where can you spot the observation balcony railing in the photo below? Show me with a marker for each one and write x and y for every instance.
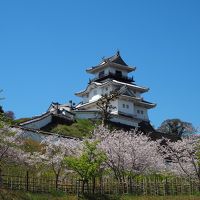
(111, 75)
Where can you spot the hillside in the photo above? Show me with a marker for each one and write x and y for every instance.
(80, 128)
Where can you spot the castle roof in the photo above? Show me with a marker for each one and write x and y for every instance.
(114, 61)
(137, 100)
(97, 84)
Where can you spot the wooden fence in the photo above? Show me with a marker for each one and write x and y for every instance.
(107, 185)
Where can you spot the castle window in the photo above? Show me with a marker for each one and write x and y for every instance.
(101, 74)
(142, 112)
(118, 73)
(138, 111)
(123, 105)
(127, 106)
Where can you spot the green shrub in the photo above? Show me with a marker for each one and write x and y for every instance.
(81, 128)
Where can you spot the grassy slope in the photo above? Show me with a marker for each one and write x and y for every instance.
(81, 128)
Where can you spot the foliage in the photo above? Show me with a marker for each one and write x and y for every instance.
(15, 149)
(129, 153)
(119, 153)
(177, 127)
(6, 117)
(10, 140)
(18, 121)
(5, 120)
(81, 128)
(88, 164)
(10, 114)
(104, 104)
(183, 157)
(31, 146)
(54, 151)
(1, 110)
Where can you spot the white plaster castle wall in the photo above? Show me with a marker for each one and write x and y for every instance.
(40, 123)
(86, 115)
(126, 107)
(126, 121)
(85, 99)
(92, 108)
(95, 115)
(94, 94)
(67, 108)
(139, 114)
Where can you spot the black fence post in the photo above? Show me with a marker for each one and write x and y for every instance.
(1, 178)
(167, 191)
(27, 181)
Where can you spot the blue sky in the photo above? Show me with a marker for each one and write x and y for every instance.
(45, 47)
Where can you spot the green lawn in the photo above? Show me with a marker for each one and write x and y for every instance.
(161, 198)
(18, 195)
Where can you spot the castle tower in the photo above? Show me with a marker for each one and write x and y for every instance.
(113, 74)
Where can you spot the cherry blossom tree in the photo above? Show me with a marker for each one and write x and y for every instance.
(129, 153)
(183, 157)
(55, 149)
(10, 142)
(104, 104)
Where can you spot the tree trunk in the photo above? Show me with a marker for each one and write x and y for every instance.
(103, 122)
(57, 176)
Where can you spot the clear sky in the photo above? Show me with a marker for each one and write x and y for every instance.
(46, 45)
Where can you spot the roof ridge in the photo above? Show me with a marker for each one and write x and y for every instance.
(115, 59)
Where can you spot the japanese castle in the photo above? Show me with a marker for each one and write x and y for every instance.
(129, 108)
(110, 75)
